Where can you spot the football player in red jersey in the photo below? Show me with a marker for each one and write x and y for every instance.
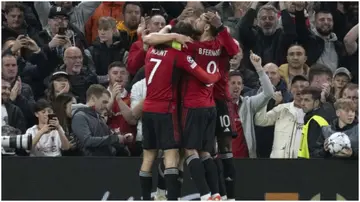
(199, 110)
(160, 128)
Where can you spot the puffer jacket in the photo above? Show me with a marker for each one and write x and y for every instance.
(351, 130)
(103, 56)
(111, 9)
(284, 117)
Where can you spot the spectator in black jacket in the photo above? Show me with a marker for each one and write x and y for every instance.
(266, 40)
(11, 115)
(80, 76)
(107, 48)
(59, 35)
(321, 43)
(127, 29)
(94, 135)
(32, 62)
(21, 93)
(320, 76)
(345, 123)
(312, 105)
(15, 24)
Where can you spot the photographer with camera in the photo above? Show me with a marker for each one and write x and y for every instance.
(48, 137)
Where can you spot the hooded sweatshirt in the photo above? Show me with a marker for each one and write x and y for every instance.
(329, 56)
(94, 135)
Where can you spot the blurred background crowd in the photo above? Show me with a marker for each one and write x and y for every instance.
(52, 52)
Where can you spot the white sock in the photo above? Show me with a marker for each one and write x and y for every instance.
(160, 192)
(205, 197)
(224, 198)
(231, 199)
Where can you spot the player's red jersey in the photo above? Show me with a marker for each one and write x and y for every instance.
(160, 71)
(208, 54)
(195, 93)
(230, 48)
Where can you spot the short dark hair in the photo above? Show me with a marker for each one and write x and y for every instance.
(41, 105)
(7, 55)
(132, 3)
(11, 5)
(96, 90)
(184, 28)
(296, 44)
(319, 69)
(322, 10)
(315, 92)
(298, 78)
(235, 73)
(116, 64)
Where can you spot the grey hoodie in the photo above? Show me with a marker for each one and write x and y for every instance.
(92, 132)
(250, 106)
(329, 56)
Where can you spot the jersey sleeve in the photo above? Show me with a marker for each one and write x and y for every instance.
(228, 42)
(187, 63)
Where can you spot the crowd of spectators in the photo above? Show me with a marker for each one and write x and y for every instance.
(62, 60)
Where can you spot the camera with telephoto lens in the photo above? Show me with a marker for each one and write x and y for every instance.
(10, 143)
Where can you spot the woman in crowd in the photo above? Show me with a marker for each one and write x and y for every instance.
(63, 108)
(58, 84)
(48, 137)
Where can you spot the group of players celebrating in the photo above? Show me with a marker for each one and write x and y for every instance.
(188, 109)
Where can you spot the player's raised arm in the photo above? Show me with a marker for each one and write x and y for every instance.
(187, 63)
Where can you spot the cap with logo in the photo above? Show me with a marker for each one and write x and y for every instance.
(343, 71)
(57, 11)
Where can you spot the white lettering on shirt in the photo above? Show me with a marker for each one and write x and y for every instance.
(209, 52)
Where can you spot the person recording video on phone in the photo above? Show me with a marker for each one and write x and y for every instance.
(48, 137)
(58, 35)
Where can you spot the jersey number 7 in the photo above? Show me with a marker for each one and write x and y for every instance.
(152, 73)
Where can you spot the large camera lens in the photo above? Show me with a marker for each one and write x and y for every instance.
(17, 142)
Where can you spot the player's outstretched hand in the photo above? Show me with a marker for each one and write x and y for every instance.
(183, 39)
(256, 61)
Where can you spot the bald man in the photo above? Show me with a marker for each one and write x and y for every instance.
(264, 142)
(80, 77)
